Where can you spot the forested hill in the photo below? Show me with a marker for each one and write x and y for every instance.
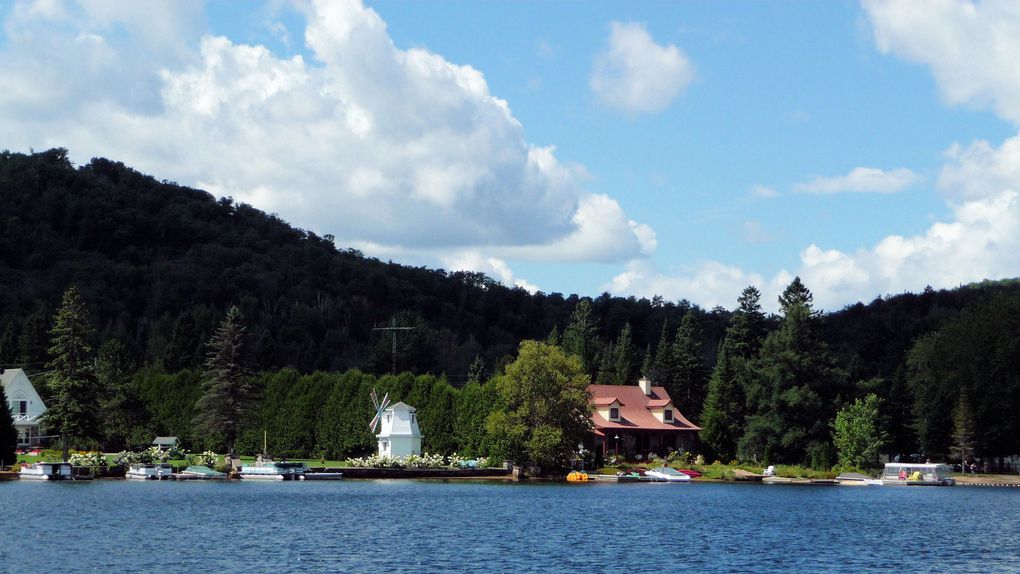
(158, 264)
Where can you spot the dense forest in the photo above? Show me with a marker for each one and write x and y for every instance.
(158, 265)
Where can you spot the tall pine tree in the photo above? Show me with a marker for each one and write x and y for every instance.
(74, 401)
(723, 414)
(227, 390)
(688, 383)
(580, 338)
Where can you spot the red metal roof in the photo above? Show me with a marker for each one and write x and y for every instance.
(605, 401)
(634, 413)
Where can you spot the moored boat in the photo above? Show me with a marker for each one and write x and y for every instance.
(47, 471)
(917, 474)
(666, 474)
(273, 470)
(150, 471)
(321, 475)
(203, 472)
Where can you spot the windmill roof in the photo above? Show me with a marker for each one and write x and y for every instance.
(401, 406)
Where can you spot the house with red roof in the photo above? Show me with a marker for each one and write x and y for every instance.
(638, 419)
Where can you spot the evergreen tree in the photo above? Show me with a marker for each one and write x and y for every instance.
(123, 414)
(580, 338)
(662, 363)
(792, 396)
(625, 365)
(9, 344)
(747, 326)
(554, 337)
(8, 434)
(74, 401)
(688, 383)
(963, 427)
(476, 373)
(227, 391)
(722, 416)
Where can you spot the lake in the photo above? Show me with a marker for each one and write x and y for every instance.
(434, 526)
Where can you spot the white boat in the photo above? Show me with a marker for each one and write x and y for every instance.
(857, 479)
(322, 475)
(272, 470)
(917, 474)
(156, 471)
(47, 471)
(666, 474)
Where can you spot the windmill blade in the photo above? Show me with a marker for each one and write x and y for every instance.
(385, 402)
(374, 423)
(375, 399)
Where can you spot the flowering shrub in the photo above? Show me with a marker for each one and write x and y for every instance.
(410, 461)
(207, 458)
(147, 456)
(457, 461)
(93, 459)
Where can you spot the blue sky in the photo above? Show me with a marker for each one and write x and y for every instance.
(680, 149)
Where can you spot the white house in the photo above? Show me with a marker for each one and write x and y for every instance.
(26, 406)
(399, 434)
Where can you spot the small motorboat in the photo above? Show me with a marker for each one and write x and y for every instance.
(666, 474)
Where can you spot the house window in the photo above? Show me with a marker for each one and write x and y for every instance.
(667, 415)
(614, 413)
(19, 407)
(414, 418)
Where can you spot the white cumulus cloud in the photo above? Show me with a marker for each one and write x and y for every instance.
(972, 48)
(862, 180)
(637, 75)
(377, 145)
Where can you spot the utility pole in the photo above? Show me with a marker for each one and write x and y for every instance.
(393, 329)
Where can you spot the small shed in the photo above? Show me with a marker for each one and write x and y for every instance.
(399, 434)
(165, 442)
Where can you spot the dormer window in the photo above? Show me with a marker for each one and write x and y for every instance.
(667, 415)
(614, 413)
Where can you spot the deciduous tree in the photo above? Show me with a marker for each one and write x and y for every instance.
(543, 411)
(857, 433)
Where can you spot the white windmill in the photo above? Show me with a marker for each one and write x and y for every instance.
(399, 434)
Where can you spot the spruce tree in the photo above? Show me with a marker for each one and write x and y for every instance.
(963, 427)
(688, 381)
(227, 390)
(8, 434)
(74, 401)
(747, 326)
(794, 391)
(625, 359)
(580, 338)
(722, 416)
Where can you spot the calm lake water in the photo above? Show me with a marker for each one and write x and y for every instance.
(426, 526)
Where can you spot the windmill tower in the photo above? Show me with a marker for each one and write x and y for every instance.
(399, 434)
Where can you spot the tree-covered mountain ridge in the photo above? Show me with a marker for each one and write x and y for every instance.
(159, 264)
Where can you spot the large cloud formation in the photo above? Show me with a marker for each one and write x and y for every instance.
(382, 147)
(970, 49)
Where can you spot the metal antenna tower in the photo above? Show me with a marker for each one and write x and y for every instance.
(393, 329)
